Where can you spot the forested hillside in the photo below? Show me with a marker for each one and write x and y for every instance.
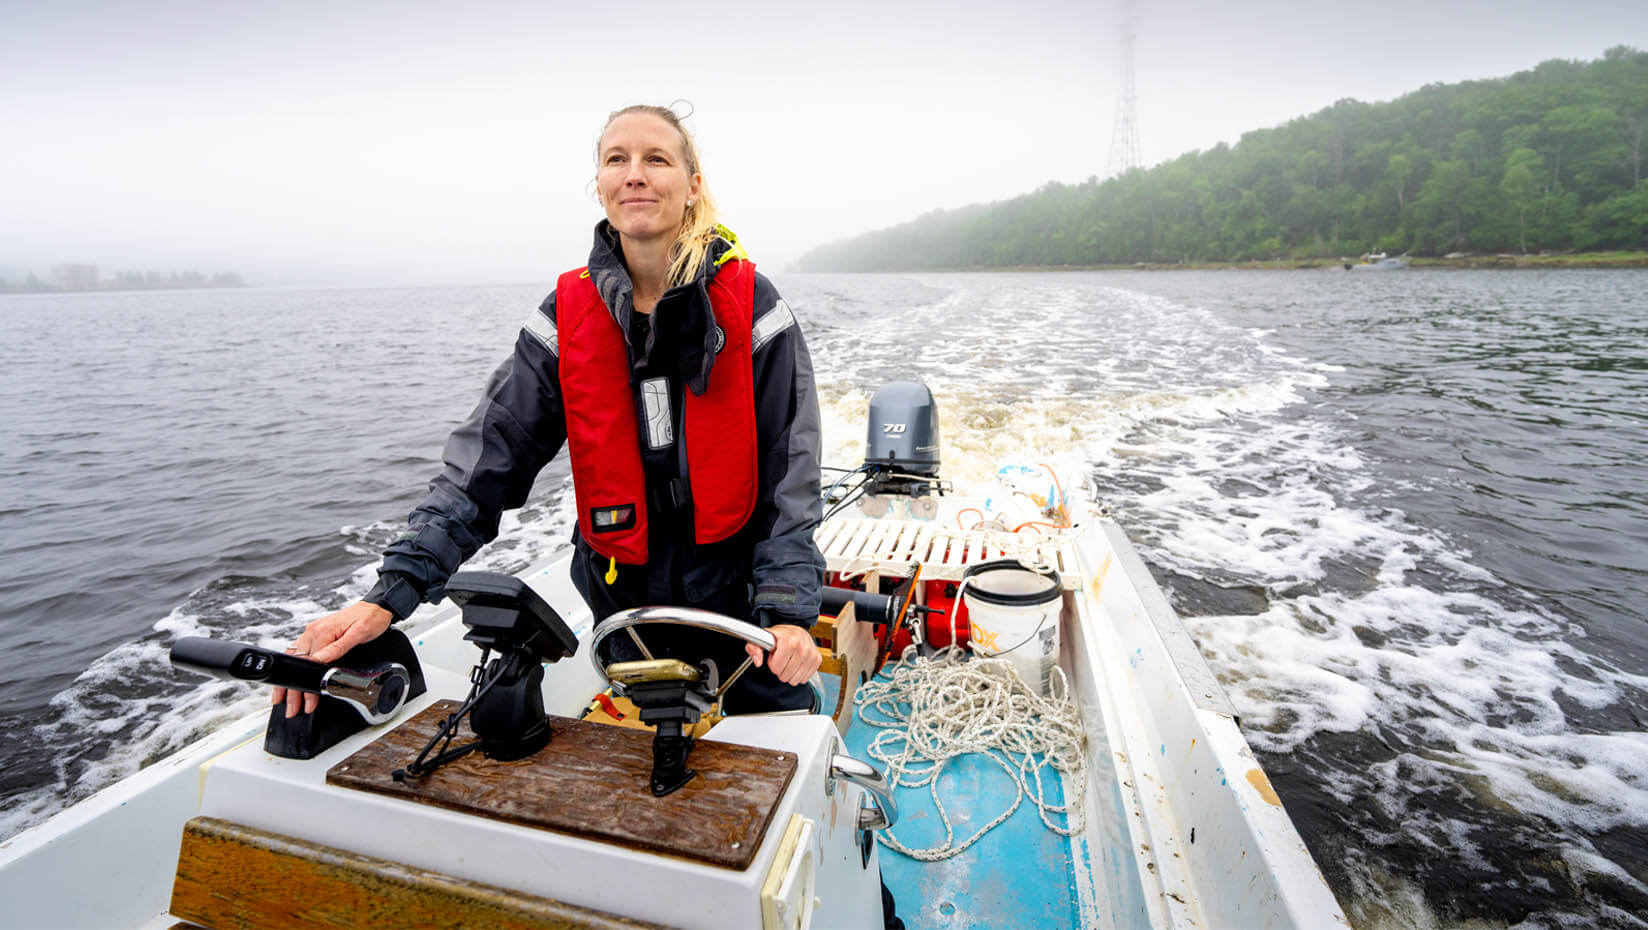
(1547, 159)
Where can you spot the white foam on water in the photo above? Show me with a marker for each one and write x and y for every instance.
(1478, 683)
(1223, 475)
(1005, 389)
(1370, 624)
(1415, 649)
(131, 732)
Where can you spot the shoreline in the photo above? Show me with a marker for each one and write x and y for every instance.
(1502, 261)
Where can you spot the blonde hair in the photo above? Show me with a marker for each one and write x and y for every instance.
(698, 227)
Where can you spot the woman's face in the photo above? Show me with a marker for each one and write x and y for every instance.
(642, 177)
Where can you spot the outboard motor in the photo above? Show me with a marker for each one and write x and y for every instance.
(901, 448)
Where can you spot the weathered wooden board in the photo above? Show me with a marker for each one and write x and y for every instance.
(855, 648)
(592, 781)
(229, 875)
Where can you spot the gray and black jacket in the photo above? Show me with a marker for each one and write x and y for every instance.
(769, 572)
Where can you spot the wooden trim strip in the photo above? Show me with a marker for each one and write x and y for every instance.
(230, 875)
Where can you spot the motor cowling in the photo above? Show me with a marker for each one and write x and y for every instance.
(902, 438)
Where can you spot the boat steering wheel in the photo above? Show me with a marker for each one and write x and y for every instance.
(629, 620)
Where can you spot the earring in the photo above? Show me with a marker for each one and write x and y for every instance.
(689, 203)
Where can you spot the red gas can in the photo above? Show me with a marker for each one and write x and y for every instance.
(940, 595)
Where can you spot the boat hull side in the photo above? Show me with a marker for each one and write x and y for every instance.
(1222, 844)
(1112, 893)
(125, 839)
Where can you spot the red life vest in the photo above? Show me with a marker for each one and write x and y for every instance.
(603, 432)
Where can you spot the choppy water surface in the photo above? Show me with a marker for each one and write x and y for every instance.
(1405, 516)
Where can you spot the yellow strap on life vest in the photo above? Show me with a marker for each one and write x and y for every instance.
(737, 251)
(612, 570)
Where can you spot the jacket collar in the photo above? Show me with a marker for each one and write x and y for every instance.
(697, 349)
(606, 269)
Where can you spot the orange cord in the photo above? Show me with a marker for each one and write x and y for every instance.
(1063, 513)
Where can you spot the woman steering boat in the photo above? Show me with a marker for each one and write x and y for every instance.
(669, 321)
(680, 383)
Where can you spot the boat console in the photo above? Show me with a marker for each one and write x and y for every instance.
(772, 826)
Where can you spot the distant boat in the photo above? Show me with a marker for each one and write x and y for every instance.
(1376, 261)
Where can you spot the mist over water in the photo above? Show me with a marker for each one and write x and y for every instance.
(1402, 514)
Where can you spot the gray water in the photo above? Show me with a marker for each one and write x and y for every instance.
(1404, 516)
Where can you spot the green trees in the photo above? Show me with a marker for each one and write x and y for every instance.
(1441, 207)
(1550, 158)
(1521, 186)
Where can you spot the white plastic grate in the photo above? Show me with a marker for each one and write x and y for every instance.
(860, 545)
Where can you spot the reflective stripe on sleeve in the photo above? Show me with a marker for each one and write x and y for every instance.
(542, 328)
(773, 322)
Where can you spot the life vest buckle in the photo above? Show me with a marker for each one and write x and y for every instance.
(673, 496)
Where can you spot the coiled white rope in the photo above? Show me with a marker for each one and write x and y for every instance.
(952, 704)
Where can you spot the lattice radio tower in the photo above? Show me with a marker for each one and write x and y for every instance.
(1124, 136)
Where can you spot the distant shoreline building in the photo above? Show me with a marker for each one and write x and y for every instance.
(71, 277)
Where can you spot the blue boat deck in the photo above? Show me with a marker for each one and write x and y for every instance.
(1019, 875)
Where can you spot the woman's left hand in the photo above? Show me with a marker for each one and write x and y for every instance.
(793, 659)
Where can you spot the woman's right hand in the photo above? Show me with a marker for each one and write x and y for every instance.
(326, 640)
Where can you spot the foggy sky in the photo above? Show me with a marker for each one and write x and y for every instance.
(344, 142)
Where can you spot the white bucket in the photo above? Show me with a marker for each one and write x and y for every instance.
(1013, 612)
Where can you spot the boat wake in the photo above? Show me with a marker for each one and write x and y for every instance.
(1452, 746)
(1430, 727)
(131, 708)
